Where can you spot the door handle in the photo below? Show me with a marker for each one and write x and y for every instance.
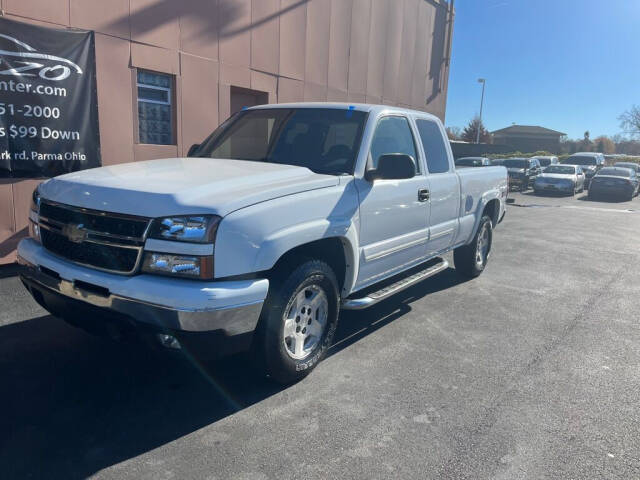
(424, 195)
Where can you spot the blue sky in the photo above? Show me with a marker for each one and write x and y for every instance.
(569, 65)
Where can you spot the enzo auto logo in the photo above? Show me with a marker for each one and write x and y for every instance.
(75, 233)
(55, 68)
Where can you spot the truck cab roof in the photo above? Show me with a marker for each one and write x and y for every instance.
(361, 107)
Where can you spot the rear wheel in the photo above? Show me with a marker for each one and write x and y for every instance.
(298, 321)
(470, 260)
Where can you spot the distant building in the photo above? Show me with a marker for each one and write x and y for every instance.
(526, 138)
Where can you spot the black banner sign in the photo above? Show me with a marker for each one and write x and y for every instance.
(48, 101)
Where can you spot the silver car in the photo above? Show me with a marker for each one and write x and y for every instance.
(568, 179)
(545, 161)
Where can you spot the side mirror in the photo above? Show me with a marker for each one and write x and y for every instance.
(192, 149)
(393, 166)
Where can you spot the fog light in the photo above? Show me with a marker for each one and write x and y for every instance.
(168, 341)
(178, 265)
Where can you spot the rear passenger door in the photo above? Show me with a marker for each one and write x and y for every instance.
(444, 187)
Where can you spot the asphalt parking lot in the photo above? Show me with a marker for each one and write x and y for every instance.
(530, 371)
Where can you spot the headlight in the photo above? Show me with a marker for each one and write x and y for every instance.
(35, 200)
(192, 228)
(185, 266)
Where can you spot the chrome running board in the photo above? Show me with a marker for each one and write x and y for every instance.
(386, 292)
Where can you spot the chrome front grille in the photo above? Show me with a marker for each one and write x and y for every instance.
(102, 240)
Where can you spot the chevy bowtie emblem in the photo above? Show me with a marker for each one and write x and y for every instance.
(75, 233)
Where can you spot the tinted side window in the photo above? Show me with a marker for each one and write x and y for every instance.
(434, 146)
(393, 135)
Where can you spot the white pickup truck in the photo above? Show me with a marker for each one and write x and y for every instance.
(282, 217)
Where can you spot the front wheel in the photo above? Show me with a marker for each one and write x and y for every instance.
(298, 321)
(470, 260)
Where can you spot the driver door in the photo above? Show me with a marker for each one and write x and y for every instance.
(394, 214)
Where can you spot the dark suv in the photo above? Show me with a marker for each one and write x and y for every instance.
(522, 172)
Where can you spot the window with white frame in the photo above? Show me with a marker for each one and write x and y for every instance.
(155, 108)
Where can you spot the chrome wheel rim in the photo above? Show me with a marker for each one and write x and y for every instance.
(305, 320)
(482, 249)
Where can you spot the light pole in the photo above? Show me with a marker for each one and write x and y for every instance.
(483, 82)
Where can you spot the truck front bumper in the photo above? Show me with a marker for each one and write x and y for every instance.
(82, 295)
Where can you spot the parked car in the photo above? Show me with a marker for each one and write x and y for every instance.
(568, 179)
(473, 162)
(545, 161)
(522, 172)
(589, 161)
(615, 182)
(281, 217)
(498, 162)
(611, 159)
(633, 166)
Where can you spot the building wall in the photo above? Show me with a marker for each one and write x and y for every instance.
(529, 143)
(375, 51)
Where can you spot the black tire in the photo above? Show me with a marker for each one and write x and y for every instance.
(271, 350)
(465, 257)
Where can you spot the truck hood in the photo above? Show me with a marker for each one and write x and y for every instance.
(175, 186)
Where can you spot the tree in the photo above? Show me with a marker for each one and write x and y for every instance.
(470, 132)
(454, 133)
(630, 121)
(586, 144)
(605, 145)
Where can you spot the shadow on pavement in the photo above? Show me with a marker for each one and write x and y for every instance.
(605, 199)
(74, 404)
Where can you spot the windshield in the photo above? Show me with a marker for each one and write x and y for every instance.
(615, 172)
(579, 160)
(516, 163)
(544, 162)
(469, 162)
(320, 139)
(567, 170)
(633, 166)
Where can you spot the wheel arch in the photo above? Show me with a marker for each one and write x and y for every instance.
(337, 252)
(492, 209)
